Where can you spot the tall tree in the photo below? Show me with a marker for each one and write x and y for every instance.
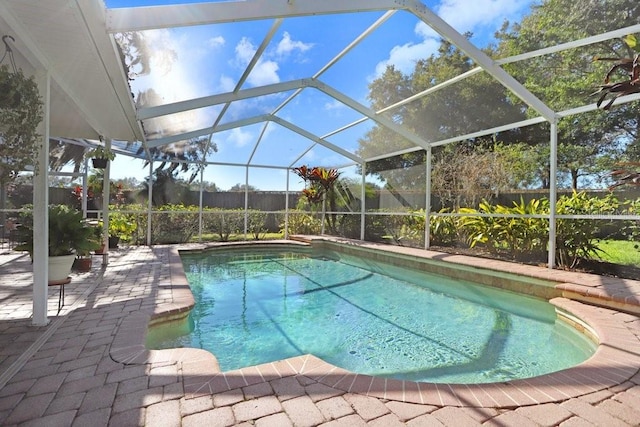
(468, 106)
(564, 80)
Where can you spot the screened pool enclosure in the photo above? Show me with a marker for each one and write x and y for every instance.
(437, 137)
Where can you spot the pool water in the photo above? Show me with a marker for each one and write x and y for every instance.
(262, 307)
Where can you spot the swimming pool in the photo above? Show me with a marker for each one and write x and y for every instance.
(256, 307)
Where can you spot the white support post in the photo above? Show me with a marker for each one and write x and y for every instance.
(149, 202)
(363, 200)
(427, 201)
(41, 211)
(324, 210)
(85, 187)
(553, 193)
(246, 200)
(106, 187)
(200, 205)
(286, 209)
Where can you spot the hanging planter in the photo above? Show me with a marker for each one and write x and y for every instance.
(100, 156)
(99, 162)
(20, 114)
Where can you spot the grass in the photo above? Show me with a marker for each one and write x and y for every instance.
(620, 252)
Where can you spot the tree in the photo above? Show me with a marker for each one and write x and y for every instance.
(166, 188)
(566, 79)
(206, 186)
(466, 107)
(241, 188)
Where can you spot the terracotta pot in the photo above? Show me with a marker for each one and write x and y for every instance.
(101, 250)
(82, 264)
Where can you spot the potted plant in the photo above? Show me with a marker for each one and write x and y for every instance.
(99, 156)
(69, 235)
(121, 228)
(83, 260)
(99, 235)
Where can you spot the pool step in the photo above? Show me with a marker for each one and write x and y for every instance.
(618, 298)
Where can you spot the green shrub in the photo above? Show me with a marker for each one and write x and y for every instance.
(174, 224)
(443, 230)
(577, 238)
(224, 222)
(256, 221)
(349, 226)
(122, 225)
(524, 237)
(301, 222)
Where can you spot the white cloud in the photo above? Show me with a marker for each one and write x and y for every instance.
(264, 72)
(288, 46)
(216, 42)
(464, 15)
(240, 138)
(333, 105)
(227, 84)
(404, 57)
(244, 52)
(477, 16)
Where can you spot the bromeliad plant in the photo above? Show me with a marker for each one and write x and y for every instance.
(631, 70)
(630, 67)
(318, 181)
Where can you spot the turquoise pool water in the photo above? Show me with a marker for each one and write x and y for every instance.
(261, 307)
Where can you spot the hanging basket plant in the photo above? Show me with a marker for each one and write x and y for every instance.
(21, 111)
(100, 156)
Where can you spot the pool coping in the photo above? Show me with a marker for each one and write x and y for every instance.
(616, 360)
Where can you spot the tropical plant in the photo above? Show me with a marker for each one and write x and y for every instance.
(319, 180)
(496, 228)
(121, 225)
(443, 230)
(577, 239)
(631, 70)
(68, 232)
(320, 186)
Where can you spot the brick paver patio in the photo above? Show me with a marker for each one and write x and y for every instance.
(89, 365)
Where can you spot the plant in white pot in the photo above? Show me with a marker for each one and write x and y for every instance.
(69, 234)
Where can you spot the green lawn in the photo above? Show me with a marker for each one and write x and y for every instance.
(620, 252)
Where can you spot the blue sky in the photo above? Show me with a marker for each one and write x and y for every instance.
(204, 60)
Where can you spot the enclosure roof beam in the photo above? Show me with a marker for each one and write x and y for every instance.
(572, 44)
(206, 131)
(593, 107)
(317, 139)
(207, 101)
(490, 66)
(155, 17)
(400, 130)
